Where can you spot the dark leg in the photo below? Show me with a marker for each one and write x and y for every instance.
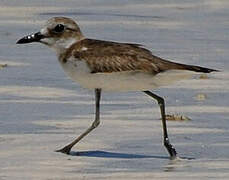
(169, 147)
(96, 122)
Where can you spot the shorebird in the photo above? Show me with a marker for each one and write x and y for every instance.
(110, 66)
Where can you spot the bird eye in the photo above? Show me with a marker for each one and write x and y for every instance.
(59, 28)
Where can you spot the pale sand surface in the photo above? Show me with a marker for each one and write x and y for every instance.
(41, 110)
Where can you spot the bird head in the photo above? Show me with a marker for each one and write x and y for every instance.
(58, 33)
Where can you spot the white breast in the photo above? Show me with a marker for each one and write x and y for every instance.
(76, 69)
(121, 81)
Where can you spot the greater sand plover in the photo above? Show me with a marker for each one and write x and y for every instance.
(110, 66)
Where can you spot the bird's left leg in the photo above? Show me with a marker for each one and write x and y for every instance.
(171, 150)
(95, 124)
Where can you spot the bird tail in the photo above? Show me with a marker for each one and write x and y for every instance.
(199, 69)
(194, 68)
(168, 65)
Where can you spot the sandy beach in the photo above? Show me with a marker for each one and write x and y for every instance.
(41, 109)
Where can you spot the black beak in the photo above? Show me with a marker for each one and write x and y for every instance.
(31, 38)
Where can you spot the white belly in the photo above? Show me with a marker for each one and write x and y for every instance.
(122, 81)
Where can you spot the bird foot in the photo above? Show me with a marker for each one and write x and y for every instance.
(171, 150)
(65, 150)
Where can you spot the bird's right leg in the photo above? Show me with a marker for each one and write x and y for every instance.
(95, 124)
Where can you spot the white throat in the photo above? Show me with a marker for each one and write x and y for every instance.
(62, 44)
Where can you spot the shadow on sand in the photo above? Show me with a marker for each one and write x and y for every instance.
(105, 154)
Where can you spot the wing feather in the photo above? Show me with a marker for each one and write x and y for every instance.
(107, 57)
